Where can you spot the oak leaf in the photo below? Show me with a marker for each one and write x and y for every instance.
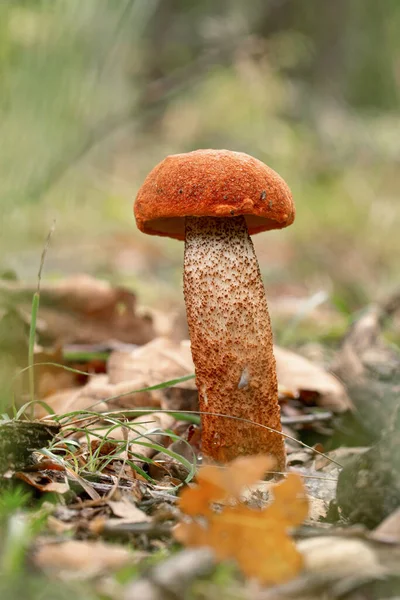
(215, 483)
(257, 539)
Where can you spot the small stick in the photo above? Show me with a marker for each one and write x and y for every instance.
(306, 419)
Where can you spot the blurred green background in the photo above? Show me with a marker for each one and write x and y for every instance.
(95, 92)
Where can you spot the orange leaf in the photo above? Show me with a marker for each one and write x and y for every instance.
(215, 484)
(196, 500)
(291, 502)
(245, 471)
(256, 539)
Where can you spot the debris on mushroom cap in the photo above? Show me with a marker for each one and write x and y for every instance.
(215, 183)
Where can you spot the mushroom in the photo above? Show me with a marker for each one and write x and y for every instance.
(213, 199)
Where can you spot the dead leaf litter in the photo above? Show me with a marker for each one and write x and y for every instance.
(124, 457)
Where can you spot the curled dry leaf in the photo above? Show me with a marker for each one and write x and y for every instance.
(116, 395)
(43, 482)
(82, 309)
(257, 539)
(64, 401)
(127, 511)
(297, 373)
(163, 359)
(158, 361)
(100, 395)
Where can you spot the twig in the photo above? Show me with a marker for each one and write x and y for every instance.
(151, 529)
(305, 419)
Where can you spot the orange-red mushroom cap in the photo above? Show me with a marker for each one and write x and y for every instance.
(212, 183)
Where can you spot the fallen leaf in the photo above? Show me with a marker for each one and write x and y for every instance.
(146, 429)
(256, 539)
(389, 529)
(43, 482)
(159, 360)
(261, 547)
(215, 483)
(50, 378)
(298, 373)
(96, 394)
(163, 359)
(82, 309)
(82, 559)
(339, 556)
(127, 511)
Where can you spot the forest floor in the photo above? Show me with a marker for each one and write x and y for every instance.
(101, 452)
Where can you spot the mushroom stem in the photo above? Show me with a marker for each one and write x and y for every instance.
(231, 340)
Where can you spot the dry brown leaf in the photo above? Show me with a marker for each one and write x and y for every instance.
(43, 482)
(96, 394)
(389, 529)
(339, 556)
(151, 364)
(159, 360)
(117, 395)
(257, 539)
(127, 511)
(298, 373)
(51, 379)
(80, 559)
(70, 399)
(82, 309)
(146, 429)
(163, 359)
